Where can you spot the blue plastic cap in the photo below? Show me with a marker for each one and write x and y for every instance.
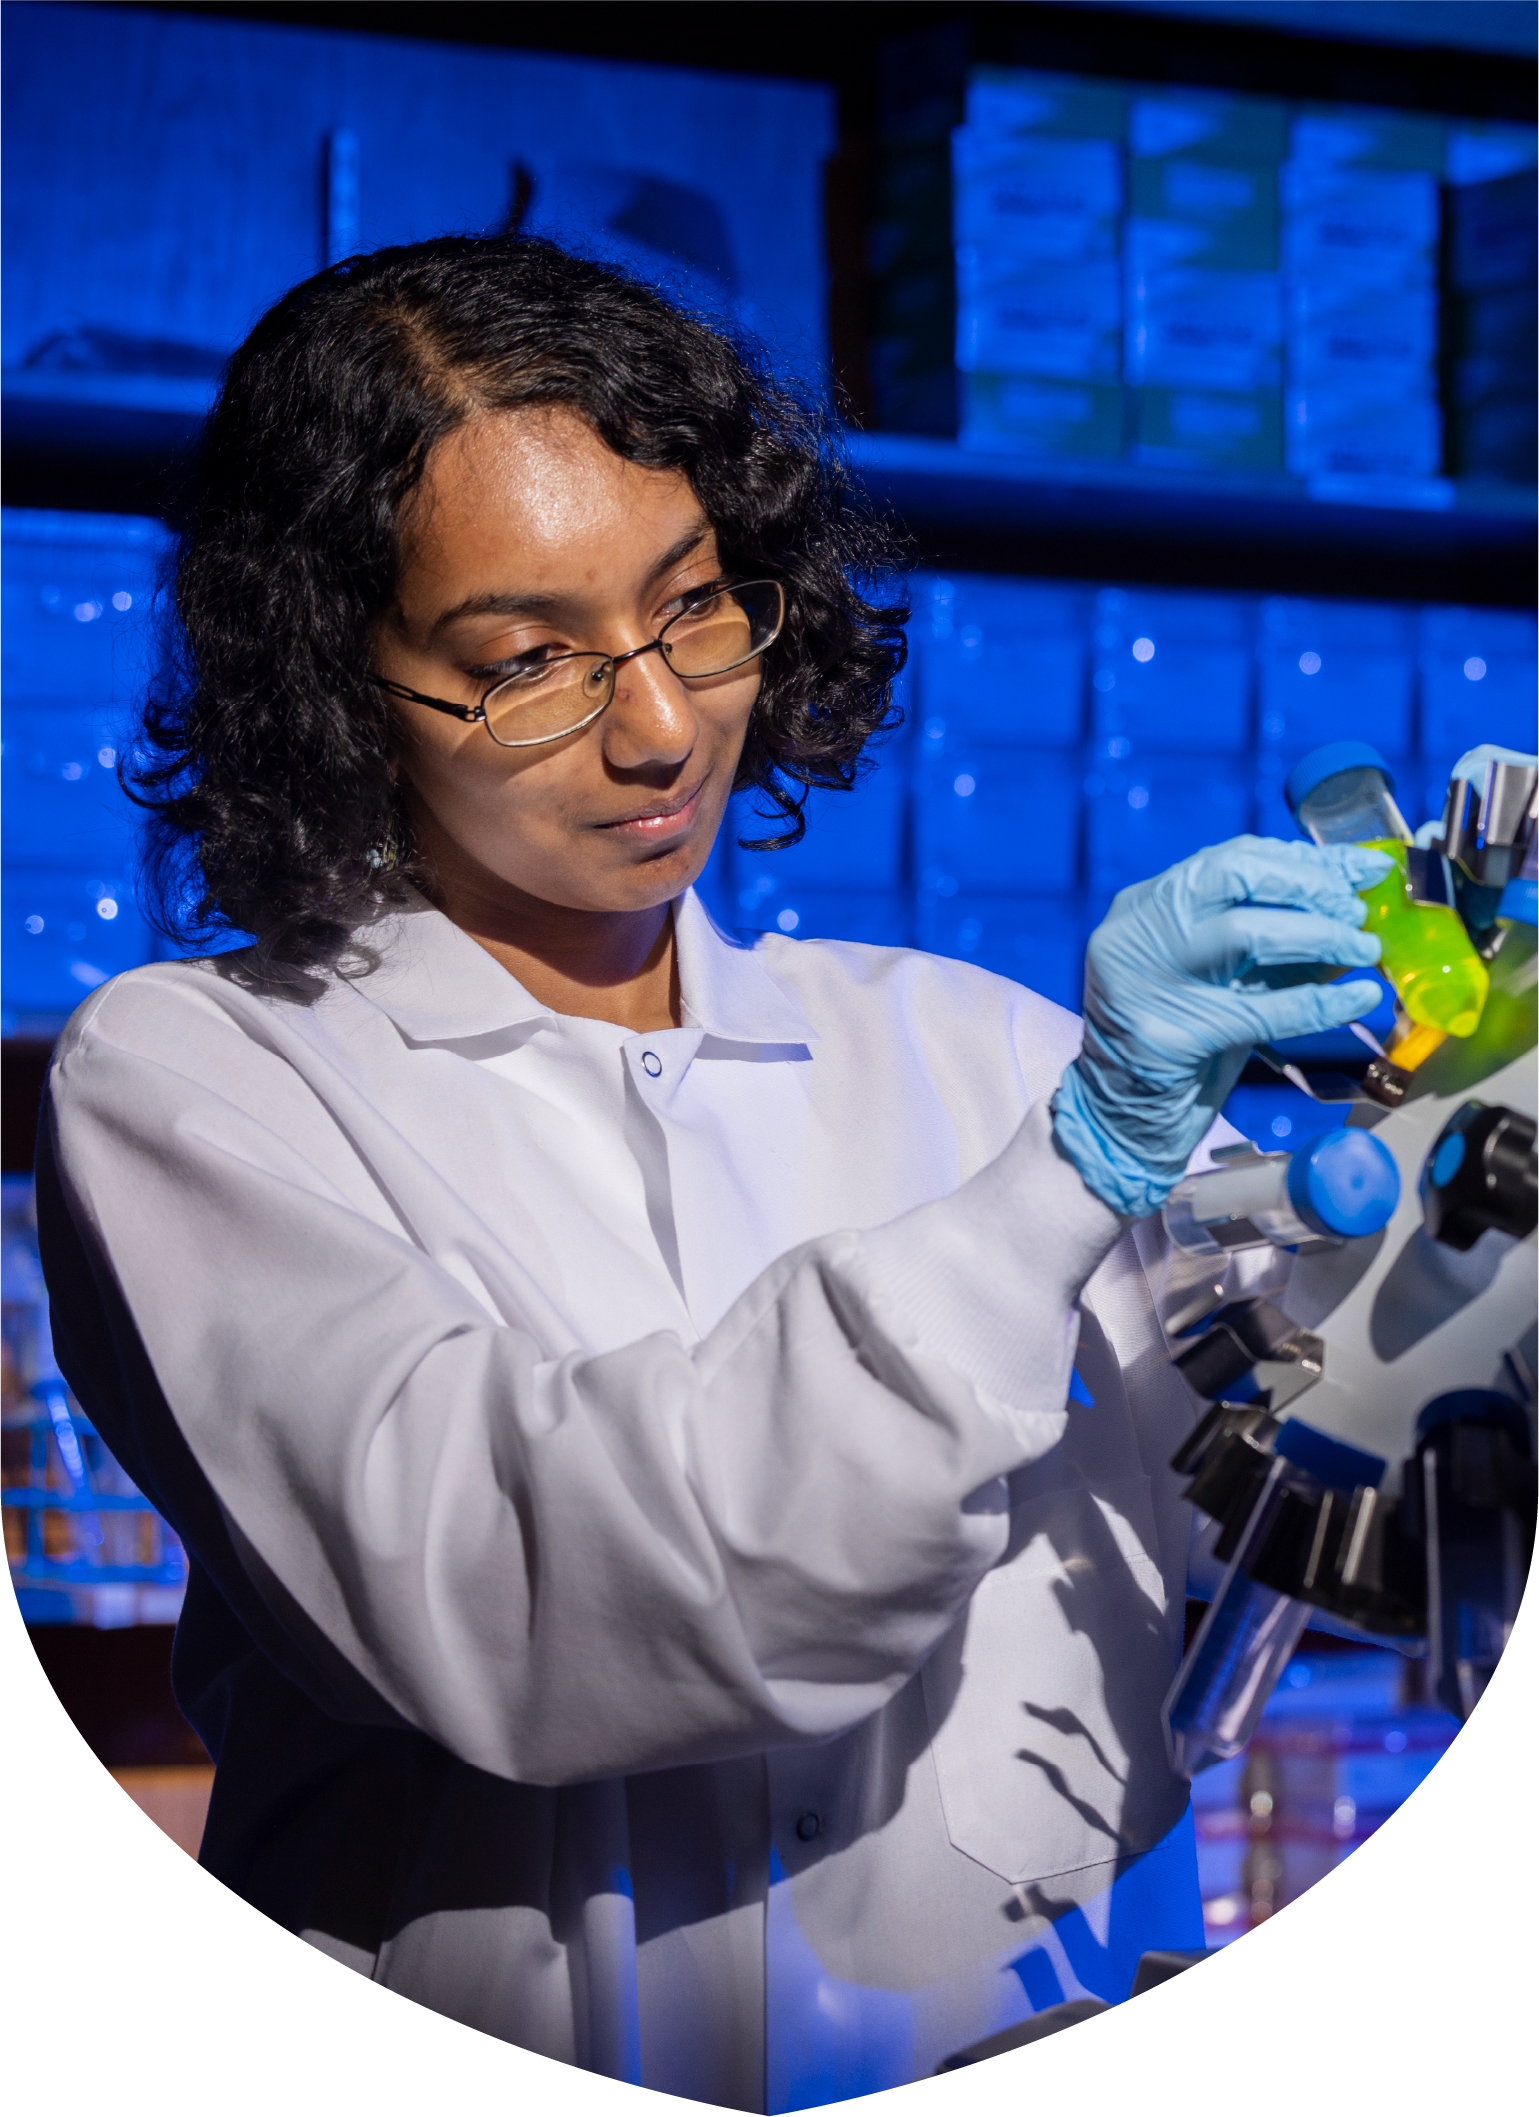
(1344, 1183)
(1322, 764)
(1479, 1407)
(1520, 903)
(1332, 1462)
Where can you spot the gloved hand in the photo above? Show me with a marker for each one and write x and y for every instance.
(1183, 976)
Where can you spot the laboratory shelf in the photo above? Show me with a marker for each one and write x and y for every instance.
(1437, 538)
(76, 411)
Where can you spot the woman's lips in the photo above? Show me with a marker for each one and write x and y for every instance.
(660, 821)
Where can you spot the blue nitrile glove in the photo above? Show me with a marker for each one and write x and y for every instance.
(1183, 976)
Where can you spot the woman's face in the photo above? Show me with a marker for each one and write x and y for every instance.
(529, 536)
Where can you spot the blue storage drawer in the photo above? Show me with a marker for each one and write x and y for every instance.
(1144, 816)
(1334, 672)
(770, 905)
(853, 841)
(1172, 672)
(1037, 941)
(59, 795)
(999, 661)
(76, 592)
(997, 819)
(65, 934)
(1478, 677)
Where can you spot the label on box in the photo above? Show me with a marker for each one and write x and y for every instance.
(1382, 227)
(1205, 330)
(1061, 320)
(1036, 199)
(1363, 435)
(1340, 337)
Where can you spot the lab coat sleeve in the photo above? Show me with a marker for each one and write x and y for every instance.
(575, 1567)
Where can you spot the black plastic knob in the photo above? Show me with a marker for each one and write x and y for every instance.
(1481, 1174)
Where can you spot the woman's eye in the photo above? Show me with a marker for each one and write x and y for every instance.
(688, 599)
(523, 663)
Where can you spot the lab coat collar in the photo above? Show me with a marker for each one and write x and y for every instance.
(727, 988)
(435, 983)
(439, 986)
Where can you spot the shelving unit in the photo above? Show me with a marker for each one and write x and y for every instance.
(1005, 513)
(142, 415)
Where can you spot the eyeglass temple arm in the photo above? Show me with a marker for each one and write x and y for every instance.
(420, 698)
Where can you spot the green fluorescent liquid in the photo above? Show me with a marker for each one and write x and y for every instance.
(1427, 954)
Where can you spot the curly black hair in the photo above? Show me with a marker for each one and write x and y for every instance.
(262, 753)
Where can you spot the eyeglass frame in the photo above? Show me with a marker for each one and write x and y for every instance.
(471, 714)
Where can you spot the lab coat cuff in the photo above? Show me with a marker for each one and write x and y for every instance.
(989, 1278)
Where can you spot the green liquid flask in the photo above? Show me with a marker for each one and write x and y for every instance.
(1343, 795)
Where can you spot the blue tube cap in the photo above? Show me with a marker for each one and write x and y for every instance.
(1322, 764)
(1476, 1407)
(1519, 903)
(1344, 1183)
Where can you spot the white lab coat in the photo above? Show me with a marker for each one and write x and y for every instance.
(649, 1600)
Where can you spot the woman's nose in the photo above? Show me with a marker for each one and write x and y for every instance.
(650, 719)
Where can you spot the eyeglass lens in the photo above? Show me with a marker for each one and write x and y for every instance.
(707, 639)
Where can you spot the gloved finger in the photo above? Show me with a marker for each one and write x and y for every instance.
(1472, 765)
(1302, 1010)
(1255, 934)
(1270, 871)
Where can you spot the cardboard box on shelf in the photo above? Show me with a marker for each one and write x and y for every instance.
(1367, 226)
(1340, 136)
(1013, 102)
(1026, 415)
(1061, 320)
(1344, 336)
(1496, 437)
(1360, 434)
(1203, 429)
(1204, 330)
(1035, 199)
(1205, 125)
(1172, 670)
(1478, 150)
(1493, 233)
(1189, 212)
(998, 662)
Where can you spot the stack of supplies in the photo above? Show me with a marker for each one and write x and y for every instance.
(1360, 257)
(1037, 191)
(1204, 310)
(1490, 315)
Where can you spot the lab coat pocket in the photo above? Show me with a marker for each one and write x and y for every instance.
(1044, 1699)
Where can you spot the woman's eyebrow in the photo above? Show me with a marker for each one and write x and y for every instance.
(508, 603)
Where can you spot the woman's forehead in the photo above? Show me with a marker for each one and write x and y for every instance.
(538, 485)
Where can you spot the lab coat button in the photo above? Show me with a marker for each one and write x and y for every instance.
(652, 1063)
(808, 1826)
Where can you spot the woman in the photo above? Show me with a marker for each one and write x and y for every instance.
(649, 1598)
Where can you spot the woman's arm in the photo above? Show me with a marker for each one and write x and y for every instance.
(558, 1568)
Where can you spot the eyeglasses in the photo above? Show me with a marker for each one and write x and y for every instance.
(724, 629)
